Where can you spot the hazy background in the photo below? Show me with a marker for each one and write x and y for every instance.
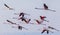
(28, 6)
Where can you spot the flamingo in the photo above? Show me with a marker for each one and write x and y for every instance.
(47, 30)
(8, 6)
(44, 31)
(23, 19)
(11, 22)
(20, 27)
(43, 18)
(21, 14)
(52, 28)
(39, 22)
(45, 8)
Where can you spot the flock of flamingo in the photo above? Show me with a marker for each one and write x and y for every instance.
(22, 18)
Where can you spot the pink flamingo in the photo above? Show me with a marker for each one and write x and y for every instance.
(23, 19)
(43, 18)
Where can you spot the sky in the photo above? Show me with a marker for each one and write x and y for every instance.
(28, 6)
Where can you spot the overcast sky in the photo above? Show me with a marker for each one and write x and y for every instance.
(28, 6)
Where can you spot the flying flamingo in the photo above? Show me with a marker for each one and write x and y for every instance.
(11, 22)
(23, 19)
(52, 28)
(47, 30)
(8, 7)
(21, 14)
(20, 27)
(45, 8)
(43, 18)
(39, 22)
